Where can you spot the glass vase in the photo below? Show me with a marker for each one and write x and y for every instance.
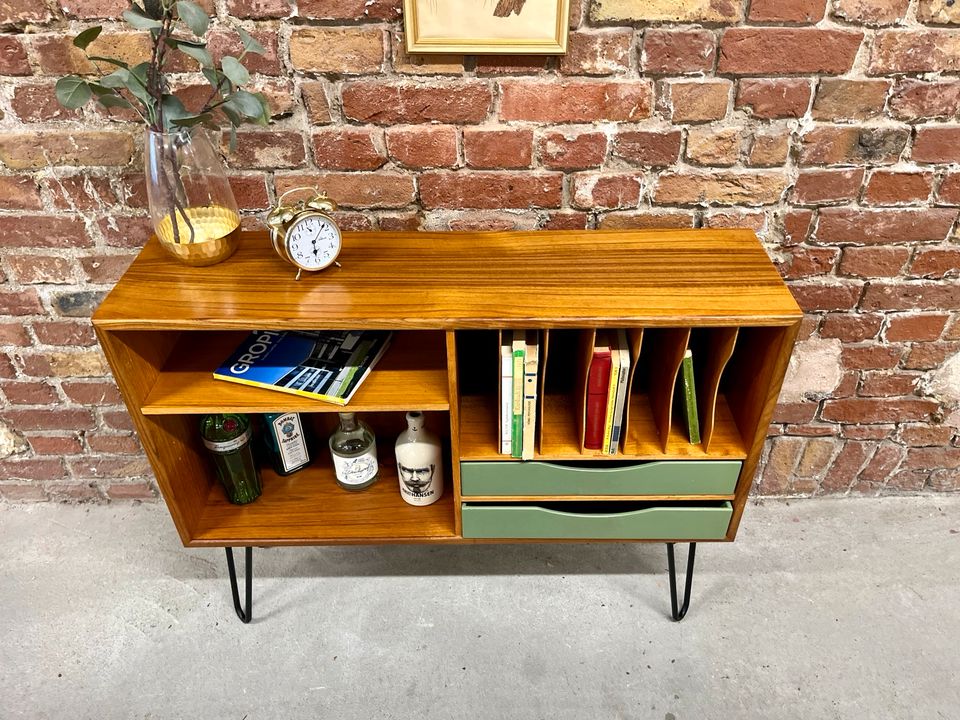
(192, 207)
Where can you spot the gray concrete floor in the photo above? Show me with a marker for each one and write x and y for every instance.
(821, 609)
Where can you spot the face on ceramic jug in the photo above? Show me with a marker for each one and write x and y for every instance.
(416, 479)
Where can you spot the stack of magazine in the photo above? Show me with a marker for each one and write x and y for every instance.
(325, 365)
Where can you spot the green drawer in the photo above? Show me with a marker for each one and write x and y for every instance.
(707, 521)
(668, 477)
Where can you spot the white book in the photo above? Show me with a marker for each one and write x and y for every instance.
(623, 390)
(506, 395)
(530, 366)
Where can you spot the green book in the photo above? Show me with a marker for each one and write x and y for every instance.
(519, 353)
(690, 398)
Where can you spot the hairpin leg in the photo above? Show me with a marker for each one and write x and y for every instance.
(678, 613)
(244, 615)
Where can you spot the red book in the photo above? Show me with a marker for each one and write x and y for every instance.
(598, 387)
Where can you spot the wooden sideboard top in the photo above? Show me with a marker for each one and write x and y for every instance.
(535, 279)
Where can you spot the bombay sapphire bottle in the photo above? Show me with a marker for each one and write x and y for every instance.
(286, 442)
(354, 450)
(227, 437)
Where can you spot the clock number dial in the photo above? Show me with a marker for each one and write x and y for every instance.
(313, 242)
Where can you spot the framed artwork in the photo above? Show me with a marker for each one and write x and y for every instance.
(483, 27)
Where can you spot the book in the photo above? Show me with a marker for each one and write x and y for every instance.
(690, 398)
(598, 385)
(506, 394)
(531, 364)
(612, 385)
(623, 390)
(323, 365)
(519, 346)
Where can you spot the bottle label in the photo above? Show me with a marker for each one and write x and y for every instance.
(358, 469)
(288, 433)
(225, 446)
(420, 469)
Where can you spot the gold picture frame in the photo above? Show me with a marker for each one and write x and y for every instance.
(486, 27)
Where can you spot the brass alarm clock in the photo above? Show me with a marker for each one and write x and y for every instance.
(304, 234)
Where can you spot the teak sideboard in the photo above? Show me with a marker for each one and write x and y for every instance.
(446, 296)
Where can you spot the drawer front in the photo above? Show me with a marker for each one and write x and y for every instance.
(669, 477)
(655, 523)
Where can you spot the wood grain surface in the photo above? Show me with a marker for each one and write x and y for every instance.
(466, 280)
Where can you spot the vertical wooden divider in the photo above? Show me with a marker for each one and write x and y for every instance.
(454, 390)
(584, 355)
(669, 345)
(709, 363)
(542, 385)
(635, 340)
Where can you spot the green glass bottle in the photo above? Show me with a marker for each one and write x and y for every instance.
(227, 437)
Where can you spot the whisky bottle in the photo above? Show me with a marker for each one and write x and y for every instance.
(227, 437)
(354, 451)
(286, 442)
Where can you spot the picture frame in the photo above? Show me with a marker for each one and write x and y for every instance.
(486, 27)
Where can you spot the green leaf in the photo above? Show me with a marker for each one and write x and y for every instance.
(248, 104)
(73, 92)
(87, 36)
(233, 138)
(112, 100)
(140, 20)
(136, 82)
(110, 61)
(232, 114)
(250, 43)
(173, 109)
(117, 79)
(197, 53)
(212, 76)
(194, 16)
(235, 72)
(191, 120)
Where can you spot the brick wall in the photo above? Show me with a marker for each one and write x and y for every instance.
(832, 128)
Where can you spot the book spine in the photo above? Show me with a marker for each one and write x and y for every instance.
(597, 386)
(516, 435)
(690, 399)
(506, 401)
(529, 401)
(613, 383)
(622, 392)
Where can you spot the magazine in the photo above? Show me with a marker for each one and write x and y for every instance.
(325, 365)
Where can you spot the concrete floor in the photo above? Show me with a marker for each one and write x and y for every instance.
(821, 609)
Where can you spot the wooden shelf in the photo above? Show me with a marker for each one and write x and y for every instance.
(411, 374)
(309, 508)
(478, 433)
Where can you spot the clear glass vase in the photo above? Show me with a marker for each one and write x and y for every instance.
(192, 207)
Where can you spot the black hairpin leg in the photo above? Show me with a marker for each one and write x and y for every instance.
(678, 613)
(244, 615)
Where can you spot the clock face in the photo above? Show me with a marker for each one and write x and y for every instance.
(313, 242)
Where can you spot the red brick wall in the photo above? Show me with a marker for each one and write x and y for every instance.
(830, 128)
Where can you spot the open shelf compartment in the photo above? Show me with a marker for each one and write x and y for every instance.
(308, 507)
(411, 374)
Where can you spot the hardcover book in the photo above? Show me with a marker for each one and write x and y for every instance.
(531, 366)
(519, 351)
(622, 389)
(506, 394)
(598, 385)
(324, 365)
